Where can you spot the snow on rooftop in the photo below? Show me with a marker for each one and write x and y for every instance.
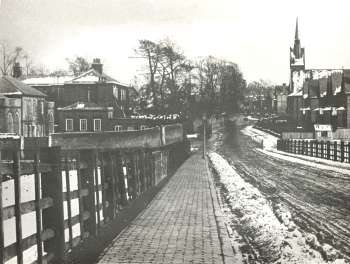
(8, 136)
(80, 106)
(319, 74)
(337, 90)
(48, 80)
(88, 78)
(298, 62)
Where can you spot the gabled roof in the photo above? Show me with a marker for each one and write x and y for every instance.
(48, 80)
(93, 76)
(84, 106)
(12, 86)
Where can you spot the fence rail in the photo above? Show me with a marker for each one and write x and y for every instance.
(330, 150)
(75, 193)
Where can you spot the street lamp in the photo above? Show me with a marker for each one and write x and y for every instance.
(204, 133)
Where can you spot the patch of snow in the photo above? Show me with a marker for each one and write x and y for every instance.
(189, 136)
(337, 90)
(49, 80)
(322, 164)
(258, 220)
(266, 140)
(252, 118)
(87, 78)
(8, 136)
(273, 234)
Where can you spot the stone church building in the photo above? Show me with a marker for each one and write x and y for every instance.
(317, 96)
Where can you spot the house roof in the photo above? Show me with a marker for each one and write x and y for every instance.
(12, 86)
(85, 106)
(48, 80)
(93, 76)
(89, 77)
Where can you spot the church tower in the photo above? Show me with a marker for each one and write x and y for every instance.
(297, 53)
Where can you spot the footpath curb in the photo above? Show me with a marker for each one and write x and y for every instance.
(228, 251)
(338, 164)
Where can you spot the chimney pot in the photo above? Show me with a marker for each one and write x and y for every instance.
(17, 70)
(97, 65)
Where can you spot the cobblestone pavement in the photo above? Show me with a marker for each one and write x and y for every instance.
(181, 224)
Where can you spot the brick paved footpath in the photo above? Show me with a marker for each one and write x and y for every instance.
(182, 224)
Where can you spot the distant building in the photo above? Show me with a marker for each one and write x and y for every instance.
(317, 96)
(93, 86)
(24, 110)
(91, 101)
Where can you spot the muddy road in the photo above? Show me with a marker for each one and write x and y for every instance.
(319, 200)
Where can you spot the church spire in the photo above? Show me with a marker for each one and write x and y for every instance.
(297, 46)
(297, 53)
(296, 31)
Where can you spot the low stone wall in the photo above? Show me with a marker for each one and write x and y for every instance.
(172, 133)
(149, 138)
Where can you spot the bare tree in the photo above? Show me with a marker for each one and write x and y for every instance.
(151, 51)
(28, 64)
(8, 57)
(78, 65)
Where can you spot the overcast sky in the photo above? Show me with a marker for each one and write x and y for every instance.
(255, 34)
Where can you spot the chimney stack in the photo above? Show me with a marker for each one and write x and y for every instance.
(17, 70)
(97, 65)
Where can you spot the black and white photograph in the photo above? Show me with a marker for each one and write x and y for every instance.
(174, 132)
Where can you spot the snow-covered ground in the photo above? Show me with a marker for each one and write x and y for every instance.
(271, 232)
(269, 144)
(266, 140)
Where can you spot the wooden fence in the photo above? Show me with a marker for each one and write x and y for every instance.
(330, 150)
(76, 193)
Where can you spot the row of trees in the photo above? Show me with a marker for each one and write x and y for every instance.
(174, 84)
(171, 82)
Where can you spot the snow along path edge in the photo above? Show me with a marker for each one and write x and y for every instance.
(259, 221)
(275, 236)
(306, 160)
(230, 253)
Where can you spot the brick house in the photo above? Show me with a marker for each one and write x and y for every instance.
(24, 110)
(90, 117)
(93, 86)
(84, 117)
(93, 95)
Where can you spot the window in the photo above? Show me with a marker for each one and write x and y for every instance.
(9, 123)
(122, 94)
(42, 107)
(51, 123)
(110, 114)
(16, 124)
(69, 124)
(97, 124)
(324, 133)
(83, 124)
(118, 128)
(116, 92)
